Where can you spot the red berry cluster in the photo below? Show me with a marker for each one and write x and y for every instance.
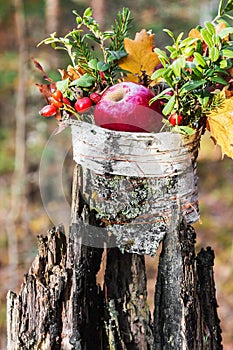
(83, 104)
(58, 101)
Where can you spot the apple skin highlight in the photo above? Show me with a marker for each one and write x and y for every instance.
(125, 107)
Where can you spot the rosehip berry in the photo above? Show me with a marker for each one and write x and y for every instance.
(66, 101)
(95, 97)
(48, 111)
(57, 95)
(83, 104)
(175, 119)
(55, 102)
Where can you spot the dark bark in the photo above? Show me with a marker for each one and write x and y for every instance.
(35, 316)
(185, 314)
(209, 323)
(61, 306)
(128, 312)
(175, 314)
(126, 315)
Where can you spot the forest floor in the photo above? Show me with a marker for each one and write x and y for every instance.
(215, 230)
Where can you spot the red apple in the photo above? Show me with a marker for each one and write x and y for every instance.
(125, 107)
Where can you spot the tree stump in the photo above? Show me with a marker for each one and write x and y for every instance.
(61, 306)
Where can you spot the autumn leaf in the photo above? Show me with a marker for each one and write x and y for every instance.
(71, 73)
(194, 33)
(46, 89)
(220, 26)
(140, 59)
(41, 69)
(220, 125)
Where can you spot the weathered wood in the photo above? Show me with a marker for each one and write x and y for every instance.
(175, 304)
(35, 315)
(129, 322)
(61, 306)
(185, 315)
(126, 315)
(208, 322)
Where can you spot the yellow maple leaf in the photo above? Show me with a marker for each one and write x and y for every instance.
(220, 125)
(140, 59)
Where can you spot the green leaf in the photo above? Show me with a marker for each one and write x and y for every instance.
(174, 55)
(214, 54)
(227, 53)
(92, 37)
(188, 42)
(169, 105)
(198, 72)
(168, 76)
(223, 64)
(199, 59)
(178, 65)
(171, 48)
(116, 55)
(170, 33)
(102, 67)
(229, 6)
(162, 94)
(225, 32)
(207, 37)
(188, 51)
(79, 21)
(210, 28)
(88, 12)
(85, 81)
(158, 73)
(108, 34)
(93, 64)
(216, 39)
(199, 47)
(161, 54)
(219, 80)
(183, 129)
(179, 38)
(62, 84)
(192, 85)
(205, 101)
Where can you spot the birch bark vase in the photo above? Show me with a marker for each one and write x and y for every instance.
(135, 180)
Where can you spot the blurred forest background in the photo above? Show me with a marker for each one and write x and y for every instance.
(36, 166)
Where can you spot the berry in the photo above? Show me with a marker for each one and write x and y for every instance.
(57, 95)
(48, 111)
(55, 102)
(66, 101)
(95, 97)
(175, 119)
(83, 104)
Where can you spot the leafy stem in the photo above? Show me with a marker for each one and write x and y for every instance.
(100, 59)
(223, 10)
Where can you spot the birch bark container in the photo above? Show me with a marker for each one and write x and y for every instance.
(136, 180)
